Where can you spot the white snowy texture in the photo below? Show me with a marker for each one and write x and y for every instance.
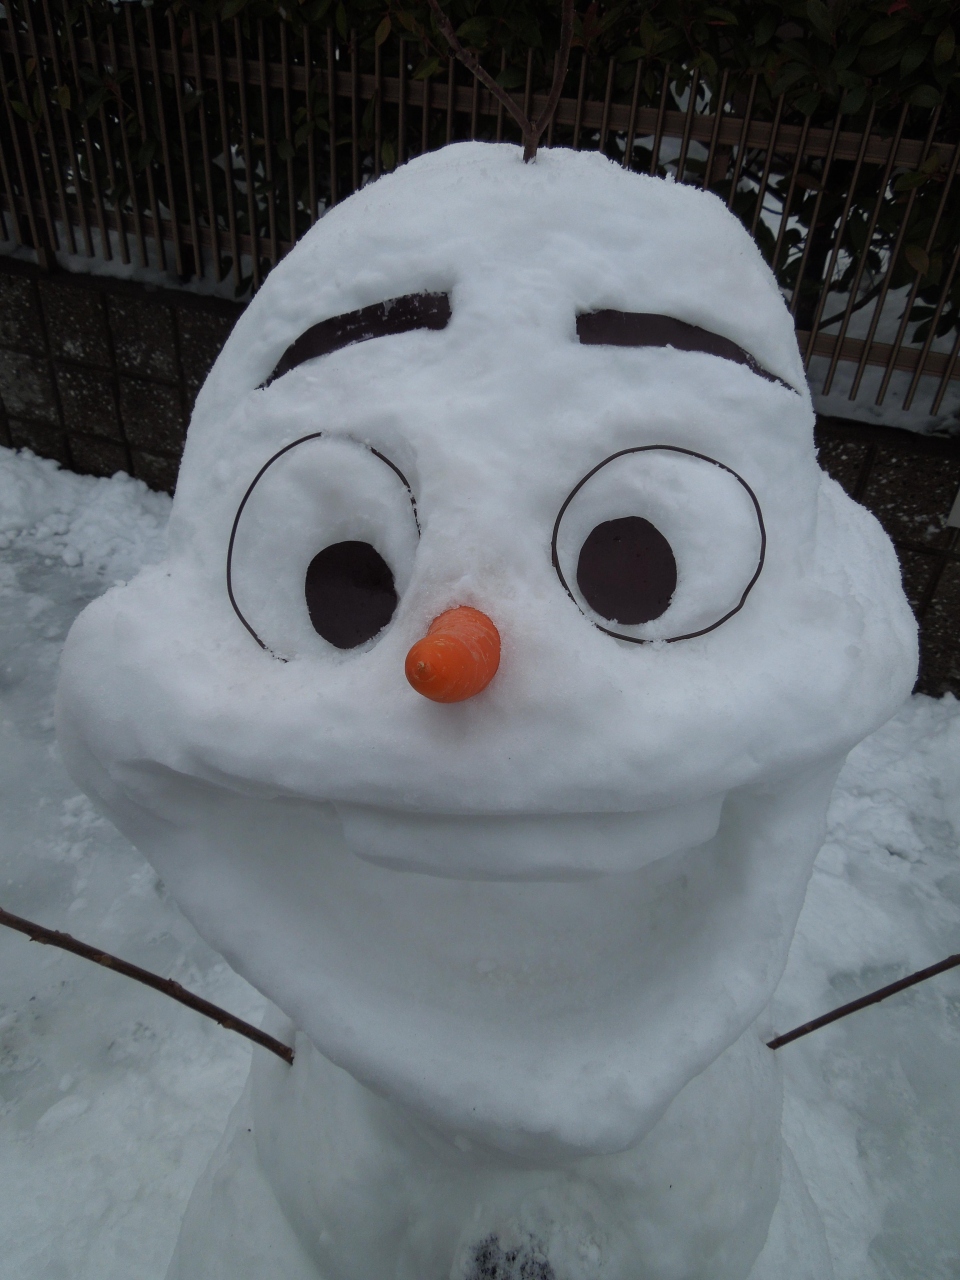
(114, 1097)
(542, 921)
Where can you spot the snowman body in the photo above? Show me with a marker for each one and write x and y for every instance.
(523, 939)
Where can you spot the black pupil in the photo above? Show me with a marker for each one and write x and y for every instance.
(627, 571)
(350, 593)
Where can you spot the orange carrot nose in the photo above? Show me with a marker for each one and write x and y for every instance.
(457, 657)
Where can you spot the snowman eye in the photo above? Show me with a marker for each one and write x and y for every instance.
(626, 571)
(322, 547)
(350, 593)
(661, 542)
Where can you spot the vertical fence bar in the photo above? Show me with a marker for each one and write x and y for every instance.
(894, 254)
(818, 201)
(767, 164)
(742, 144)
(128, 165)
(288, 134)
(791, 188)
(308, 88)
(631, 137)
(354, 112)
(581, 90)
(718, 117)
(503, 67)
(474, 109)
(528, 84)
(227, 151)
(947, 376)
(332, 115)
(164, 141)
(553, 113)
(451, 92)
(142, 114)
(838, 239)
(867, 240)
(185, 147)
(94, 177)
(658, 133)
(688, 124)
(932, 332)
(377, 109)
(253, 212)
(205, 149)
(10, 194)
(402, 106)
(21, 168)
(52, 242)
(107, 147)
(605, 114)
(68, 130)
(52, 148)
(915, 287)
(267, 144)
(424, 117)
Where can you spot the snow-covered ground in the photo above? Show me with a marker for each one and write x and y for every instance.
(112, 1096)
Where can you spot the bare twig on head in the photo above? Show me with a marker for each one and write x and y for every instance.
(531, 130)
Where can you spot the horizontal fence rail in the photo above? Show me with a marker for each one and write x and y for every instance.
(209, 149)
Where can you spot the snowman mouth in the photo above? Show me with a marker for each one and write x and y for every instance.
(555, 846)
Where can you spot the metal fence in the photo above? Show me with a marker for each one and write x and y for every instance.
(208, 149)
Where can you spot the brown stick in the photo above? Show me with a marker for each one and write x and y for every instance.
(54, 938)
(875, 997)
(531, 130)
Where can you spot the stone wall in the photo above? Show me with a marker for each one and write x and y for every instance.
(101, 374)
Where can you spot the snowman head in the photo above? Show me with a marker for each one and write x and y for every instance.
(560, 407)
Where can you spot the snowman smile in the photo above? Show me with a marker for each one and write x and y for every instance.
(528, 846)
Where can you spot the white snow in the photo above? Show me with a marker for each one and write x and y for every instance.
(113, 1096)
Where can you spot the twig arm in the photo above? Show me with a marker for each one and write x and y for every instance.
(874, 997)
(54, 938)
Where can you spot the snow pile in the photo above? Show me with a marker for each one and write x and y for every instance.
(109, 527)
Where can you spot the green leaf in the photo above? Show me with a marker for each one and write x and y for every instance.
(765, 29)
(820, 17)
(881, 30)
(924, 95)
(427, 68)
(853, 100)
(944, 49)
(285, 149)
(341, 20)
(21, 110)
(382, 31)
(721, 15)
(511, 78)
(914, 56)
(808, 102)
(388, 157)
(63, 97)
(918, 258)
(473, 32)
(303, 133)
(231, 9)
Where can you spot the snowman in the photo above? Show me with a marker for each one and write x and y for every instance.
(484, 715)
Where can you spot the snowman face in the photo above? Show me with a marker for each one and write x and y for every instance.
(570, 399)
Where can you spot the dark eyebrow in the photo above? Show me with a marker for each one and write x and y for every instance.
(382, 320)
(644, 329)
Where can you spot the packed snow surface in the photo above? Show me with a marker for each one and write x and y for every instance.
(114, 1097)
